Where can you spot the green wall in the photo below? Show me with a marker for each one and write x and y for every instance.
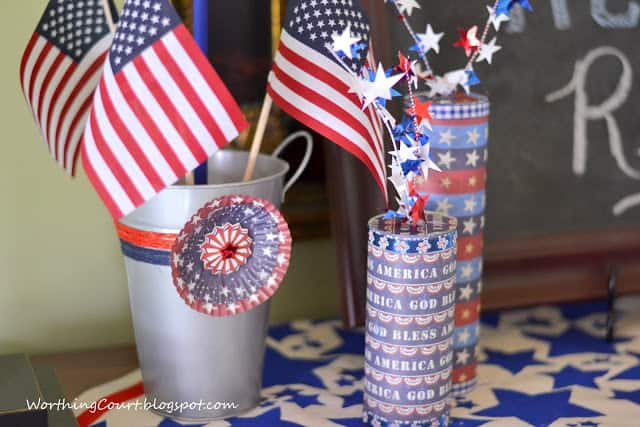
(62, 282)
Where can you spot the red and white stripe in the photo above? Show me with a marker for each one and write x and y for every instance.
(59, 93)
(314, 90)
(159, 117)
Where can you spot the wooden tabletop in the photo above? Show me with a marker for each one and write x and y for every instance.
(79, 371)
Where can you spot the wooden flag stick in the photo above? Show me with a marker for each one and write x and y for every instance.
(108, 16)
(258, 137)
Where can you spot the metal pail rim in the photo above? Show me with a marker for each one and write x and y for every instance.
(261, 157)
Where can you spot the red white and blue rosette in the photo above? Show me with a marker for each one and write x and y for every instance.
(231, 255)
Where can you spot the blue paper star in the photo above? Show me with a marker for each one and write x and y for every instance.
(536, 408)
(411, 166)
(472, 78)
(505, 6)
(303, 400)
(574, 340)
(513, 362)
(268, 419)
(632, 396)
(569, 375)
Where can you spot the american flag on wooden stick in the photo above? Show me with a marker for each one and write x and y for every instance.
(60, 69)
(159, 110)
(309, 83)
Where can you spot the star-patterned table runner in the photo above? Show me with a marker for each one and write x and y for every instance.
(542, 366)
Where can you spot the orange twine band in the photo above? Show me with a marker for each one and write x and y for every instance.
(146, 239)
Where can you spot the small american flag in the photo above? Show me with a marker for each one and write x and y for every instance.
(309, 84)
(60, 69)
(159, 110)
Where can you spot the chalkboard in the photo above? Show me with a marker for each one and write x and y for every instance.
(564, 145)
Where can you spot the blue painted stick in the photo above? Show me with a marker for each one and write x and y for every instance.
(201, 34)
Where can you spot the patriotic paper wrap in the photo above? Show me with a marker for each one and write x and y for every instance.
(459, 147)
(410, 317)
(229, 257)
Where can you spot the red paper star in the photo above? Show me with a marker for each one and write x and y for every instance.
(422, 110)
(404, 63)
(417, 211)
(468, 40)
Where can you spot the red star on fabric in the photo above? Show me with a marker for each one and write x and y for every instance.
(468, 40)
(421, 110)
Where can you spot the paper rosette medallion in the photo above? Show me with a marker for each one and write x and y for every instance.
(231, 255)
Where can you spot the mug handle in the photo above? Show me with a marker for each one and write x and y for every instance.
(305, 160)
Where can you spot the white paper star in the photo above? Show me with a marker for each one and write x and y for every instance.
(496, 20)
(380, 87)
(486, 51)
(343, 42)
(232, 307)
(429, 40)
(397, 179)
(428, 163)
(458, 77)
(407, 6)
(440, 85)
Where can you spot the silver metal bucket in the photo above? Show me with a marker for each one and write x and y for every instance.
(211, 364)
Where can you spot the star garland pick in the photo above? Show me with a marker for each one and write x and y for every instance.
(411, 161)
